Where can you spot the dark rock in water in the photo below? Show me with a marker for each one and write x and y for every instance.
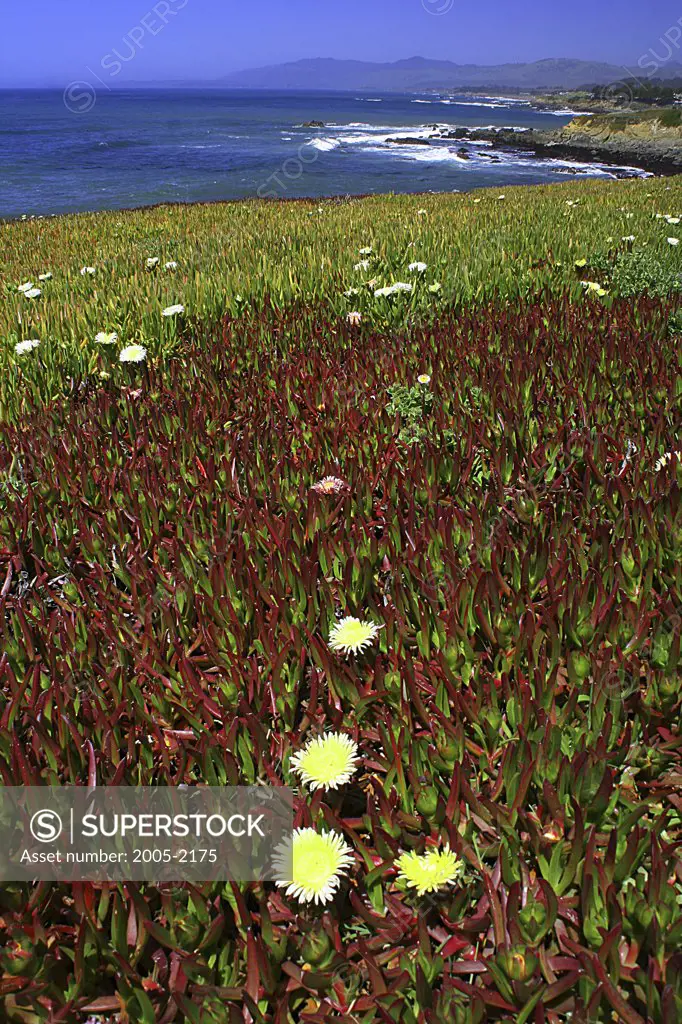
(313, 124)
(454, 133)
(409, 140)
(463, 153)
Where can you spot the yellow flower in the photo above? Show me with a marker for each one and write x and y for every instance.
(327, 762)
(320, 860)
(594, 288)
(431, 871)
(352, 635)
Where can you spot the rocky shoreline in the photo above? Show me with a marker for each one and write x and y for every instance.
(661, 157)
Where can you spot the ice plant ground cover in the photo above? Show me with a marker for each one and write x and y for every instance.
(475, 472)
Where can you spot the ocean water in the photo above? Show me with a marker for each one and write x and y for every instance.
(140, 147)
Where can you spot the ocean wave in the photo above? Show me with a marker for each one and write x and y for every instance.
(448, 151)
(510, 100)
(608, 170)
(492, 104)
(382, 140)
(325, 145)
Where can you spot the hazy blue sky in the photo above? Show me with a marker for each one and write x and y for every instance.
(54, 41)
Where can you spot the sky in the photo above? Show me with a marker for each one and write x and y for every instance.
(54, 42)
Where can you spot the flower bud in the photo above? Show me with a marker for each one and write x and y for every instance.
(427, 801)
(669, 690)
(316, 947)
(628, 563)
(517, 963)
(580, 665)
(449, 751)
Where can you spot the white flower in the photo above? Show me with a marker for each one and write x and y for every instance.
(421, 213)
(152, 262)
(34, 293)
(171, 265)
(501, 197)
(22, 347)
(326, 762)
(133, 354)
(173, 310)
(45, 277)
(351, 292)
(87, 270)
(417, 268)
(393, 289)
(424, 379)
(671, 220)
(665, 459)
(477, 200)
(367, 251)
(628, 238)
(354, 319)
(673, 241)
(362, 265)
(106, 339)
(26, 287)
(330, 485)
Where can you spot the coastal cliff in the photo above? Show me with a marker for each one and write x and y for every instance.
(651, 140)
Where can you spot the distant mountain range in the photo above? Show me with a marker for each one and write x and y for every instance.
(419, 74)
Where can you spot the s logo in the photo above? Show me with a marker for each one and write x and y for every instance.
(46, 826)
